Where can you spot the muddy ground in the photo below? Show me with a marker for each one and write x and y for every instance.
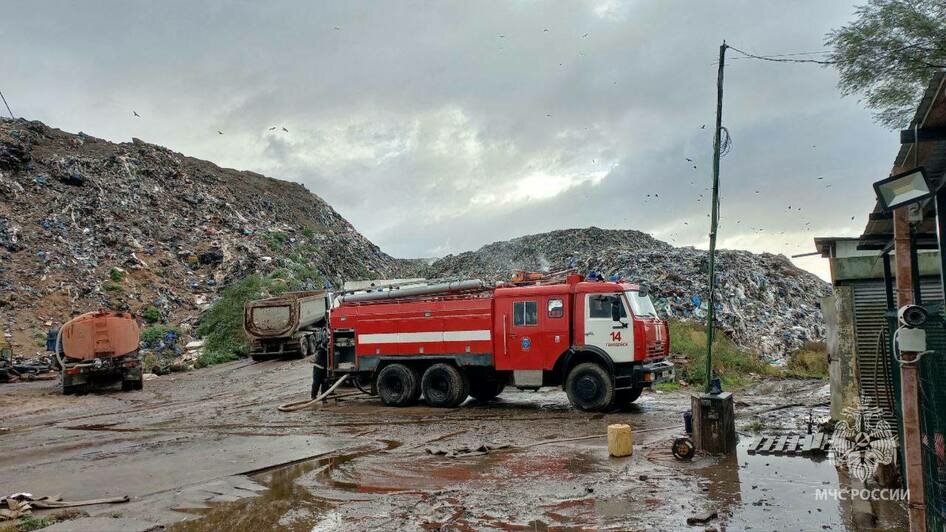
(208, 450)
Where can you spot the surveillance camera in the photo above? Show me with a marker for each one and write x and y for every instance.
(912, 316)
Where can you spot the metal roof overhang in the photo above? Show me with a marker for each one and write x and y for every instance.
(930, 114)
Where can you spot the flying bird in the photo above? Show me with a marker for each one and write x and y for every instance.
(546, 29)
(219, 132)
(689, 159)
(272, 128)
(286, 130)
(337, 28)
(694, 167)
(703, 126)
(136, 114)
(583, 36)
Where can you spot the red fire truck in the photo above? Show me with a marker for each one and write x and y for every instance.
(601, 341)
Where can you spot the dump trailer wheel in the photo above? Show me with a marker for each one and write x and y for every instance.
(589, 387)
(398, 385)
(486, 390)
(304, 347)
(445, 386)
(626, 397)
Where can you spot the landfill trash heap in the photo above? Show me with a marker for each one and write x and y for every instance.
(87, 224)
(763, 301)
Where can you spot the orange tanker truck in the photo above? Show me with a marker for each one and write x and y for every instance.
(99, 349)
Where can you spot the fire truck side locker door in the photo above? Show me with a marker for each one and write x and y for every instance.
(526, 338)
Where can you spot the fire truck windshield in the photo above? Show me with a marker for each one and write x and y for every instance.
(641, 305)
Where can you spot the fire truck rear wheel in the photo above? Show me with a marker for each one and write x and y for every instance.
(589, 387)
(398, 385)
(486, 390)
(445, 386)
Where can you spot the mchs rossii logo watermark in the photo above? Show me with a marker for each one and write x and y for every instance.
(862, 442)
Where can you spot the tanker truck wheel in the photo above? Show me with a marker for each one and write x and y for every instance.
(398, 385)
(444, 386)
(132, 385)
(589, 387)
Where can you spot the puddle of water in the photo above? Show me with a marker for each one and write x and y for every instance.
(769, 492)
(286, 505)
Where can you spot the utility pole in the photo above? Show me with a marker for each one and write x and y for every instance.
(714, 219)
(909, 380)
(8, 106)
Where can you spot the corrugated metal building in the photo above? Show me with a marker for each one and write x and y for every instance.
(861, 312)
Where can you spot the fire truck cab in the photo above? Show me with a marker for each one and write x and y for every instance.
(601, 341)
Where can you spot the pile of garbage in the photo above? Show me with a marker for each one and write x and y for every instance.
(86, 224)
(763, 301)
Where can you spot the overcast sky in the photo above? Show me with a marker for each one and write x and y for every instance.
(437, 127)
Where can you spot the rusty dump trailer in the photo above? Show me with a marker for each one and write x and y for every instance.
(289, 325)
(98, 349)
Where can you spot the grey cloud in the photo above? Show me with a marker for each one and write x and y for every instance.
(420, 121)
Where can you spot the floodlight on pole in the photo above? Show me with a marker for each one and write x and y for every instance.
(903, 189)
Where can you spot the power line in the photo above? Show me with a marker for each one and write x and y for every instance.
(8, 106)
(783, 58)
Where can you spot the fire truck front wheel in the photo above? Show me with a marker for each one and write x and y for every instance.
(445, 386)
(626, 397)
(398, 385)
(589, 387)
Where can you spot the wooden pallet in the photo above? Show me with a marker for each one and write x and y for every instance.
(791, 444)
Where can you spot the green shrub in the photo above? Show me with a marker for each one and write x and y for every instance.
(307, 232)
(755, 426)
(111, 286)
(731, 363)
(151, 335)
(116, 275)
(34, 522)
(275, 239)
(214, 357)
(810, 361)
(151, 315)
(667, 386)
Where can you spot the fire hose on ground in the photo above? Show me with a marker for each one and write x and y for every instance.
(301, 405)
